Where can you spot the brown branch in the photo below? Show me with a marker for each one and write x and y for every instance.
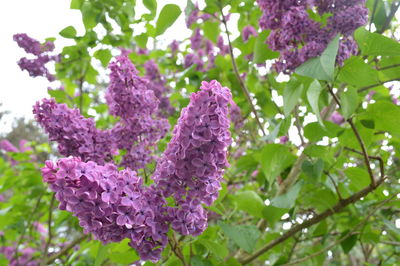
(351, 232)
(359, 139)
(46, 248)
(393, 9)
(381, 164)
(388, 67)
(316, 219)
(298, 126)
(65, 249)
(373, 14)
(376, 85)
(237, 74)
(334, 184)
(364, 151)
(174, 247)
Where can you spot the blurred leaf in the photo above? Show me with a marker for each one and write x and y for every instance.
(359, 178)
(245, 236)
(315, 132)
(273, 214)
(104, 55)
(374, 44)
(288, 199)
(358, 73)
(217, 249)
(321, 67)
(386, 116)
(313, 170)
(76, 4)
(250, 202)
(101, 254)
(349, 242)
(89, 15)
(68, 32)
(349, 101)
(211, 30)
(261, 50)
(274, 159)
(291, 95)
(313, 94)
(167, 17)
(151, 5)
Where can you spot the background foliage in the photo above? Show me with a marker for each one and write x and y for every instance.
(310, 200)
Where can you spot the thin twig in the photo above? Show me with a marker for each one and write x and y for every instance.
(174, 247)
(364, 151)
(49, 221)
(316, 219)
(381, 164)
(298, 126)
(334, 184)
(373, 14)
(393, 9)
(65, 249)
(241, 82)
(359, 139)
(376, 85)
(388, 67)
(351, 232)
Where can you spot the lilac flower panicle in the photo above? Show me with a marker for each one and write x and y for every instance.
(191, 168)
(136, 101)
(298, 37)
(36, 66)
(7, 146)
(111, 204)
(75, 135)
(247, 32)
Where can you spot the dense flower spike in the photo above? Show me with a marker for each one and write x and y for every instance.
(36, 66)
(157, 83)
(136, 100)
(191, 168)
(247, 32)
(7, 146)
(75, 134)
(111, 204)
(298, 37)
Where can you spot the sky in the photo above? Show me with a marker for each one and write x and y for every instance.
(40, 19)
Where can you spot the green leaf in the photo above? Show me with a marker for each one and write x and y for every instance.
(313, 170)
(104, 55)
(368, 123)
(101, 254)
(273, 214)
(68, 32)
(261, 50)
(386, 116)
(359, 178)
(168, 15)
(189, 8)
(291, 95)
(141, 40)
(348, 243)
(374, 44)
(245, 236)
(211, 30)
(321, 229)
(250, 202)
(197, 260)
(321, 67)
(315, 132)
(313, 94)
(287, 200)
(274, 159)
(349, 101)
(219, 250)
(358, 73)
(76, 4)
(151, 5)
(89, 15)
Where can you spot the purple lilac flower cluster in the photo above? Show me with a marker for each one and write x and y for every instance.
(191, 168)
(114, 205)
(204, 51)
(75, 134)
(132, 98)
(247, 32)
(111, 204)
(298, 37)
(24, 256)
(157, 83)
(35, 66)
